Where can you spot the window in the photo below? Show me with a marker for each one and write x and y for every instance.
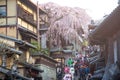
(2, 11)
(115, 51)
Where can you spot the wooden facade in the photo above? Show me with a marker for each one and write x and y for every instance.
(18, 20)
(107, 35)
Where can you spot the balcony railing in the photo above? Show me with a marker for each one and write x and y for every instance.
(25, 15)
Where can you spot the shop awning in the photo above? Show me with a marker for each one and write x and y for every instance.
(21, 42)
(9, 73)
(61, 50)
(30, 66)
(44, 56)
(11, 50)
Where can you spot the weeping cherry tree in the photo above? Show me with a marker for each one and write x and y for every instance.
(66, 25)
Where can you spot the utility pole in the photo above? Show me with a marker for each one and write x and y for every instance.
(38, 24)
(118, 2)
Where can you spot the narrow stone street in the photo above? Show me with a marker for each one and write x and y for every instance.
(59, 39)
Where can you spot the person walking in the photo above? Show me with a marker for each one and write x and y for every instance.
(76, 66)
(72, 71)
(66, 69)
(70, 62)
(59, 74)
(67, 76)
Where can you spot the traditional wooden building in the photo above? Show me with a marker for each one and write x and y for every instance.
(107, 35)
(8, 57)
(61, 55)
(31, 70)
(19, 22)
(18, 19)
(11, 62)
(48, 64)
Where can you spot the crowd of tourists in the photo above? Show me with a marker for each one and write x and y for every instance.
(77, 69)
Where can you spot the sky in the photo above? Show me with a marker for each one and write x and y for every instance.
(95, 8)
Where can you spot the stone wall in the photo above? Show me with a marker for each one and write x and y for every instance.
(49, 73)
